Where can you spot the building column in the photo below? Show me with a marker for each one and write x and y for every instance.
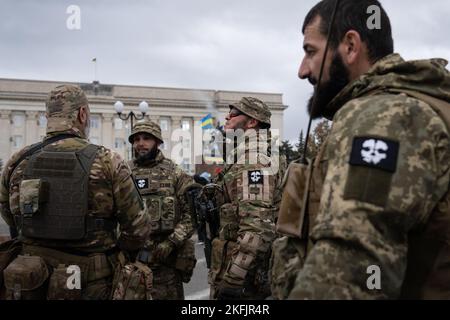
(197, 141)
(107, 130)
(31, 128)
(176, 122)
(5, 133)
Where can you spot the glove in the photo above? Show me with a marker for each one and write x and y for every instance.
(163, 250)
(230, 293)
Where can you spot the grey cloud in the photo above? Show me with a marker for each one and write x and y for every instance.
(235, 45)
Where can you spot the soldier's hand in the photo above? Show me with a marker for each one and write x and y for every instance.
(163, 250)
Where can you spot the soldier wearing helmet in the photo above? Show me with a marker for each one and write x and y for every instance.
(246, 201)
(163, 186)
(66, 196)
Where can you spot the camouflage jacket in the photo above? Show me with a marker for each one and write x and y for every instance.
(241, 253)
(163, 184)
(382, 226)
(111, 195)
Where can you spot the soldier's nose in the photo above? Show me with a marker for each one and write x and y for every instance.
(303, 71)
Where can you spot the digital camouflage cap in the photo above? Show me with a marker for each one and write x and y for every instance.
(61, 106)
(149, 127)
(254, 108)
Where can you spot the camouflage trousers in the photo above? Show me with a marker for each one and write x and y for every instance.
(167, 284)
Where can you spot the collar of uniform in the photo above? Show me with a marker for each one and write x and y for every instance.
(74, 131)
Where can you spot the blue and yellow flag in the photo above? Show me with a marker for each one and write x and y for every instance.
(207, 122)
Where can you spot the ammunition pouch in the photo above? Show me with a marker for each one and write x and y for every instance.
(58, 288)
(221, 253)
(92, 267)
(186, 261)
(132, 281)
(162, 213)
(9, 250)
(26, 278)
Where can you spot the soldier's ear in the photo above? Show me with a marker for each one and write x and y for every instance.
(252, 123)
(351, 47)
(83, 115)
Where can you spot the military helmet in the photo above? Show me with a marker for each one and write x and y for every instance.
(149, 127)
(254, 108)
(61, 106)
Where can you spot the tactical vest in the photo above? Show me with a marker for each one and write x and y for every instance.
(54, 194)
(157, 187)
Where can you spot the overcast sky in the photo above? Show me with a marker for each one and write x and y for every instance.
(245, 45)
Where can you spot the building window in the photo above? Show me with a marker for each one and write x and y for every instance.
(95, 122)
(17, 141)
(42, 120)
(164, 124)
(118, 124)
(185, 125)
(18, 120)
(186, 143)
(94, 140)
(119, 143)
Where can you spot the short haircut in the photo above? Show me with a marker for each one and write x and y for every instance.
(352, 15)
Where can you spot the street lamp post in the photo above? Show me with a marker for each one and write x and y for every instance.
(119, 107)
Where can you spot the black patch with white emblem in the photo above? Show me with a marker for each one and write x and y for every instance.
(142, 183)
(255, 177)
(374, 152)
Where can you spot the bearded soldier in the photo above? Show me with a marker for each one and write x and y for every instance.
(163, 186)
(376, 215)
(65, 197)
(245, 198)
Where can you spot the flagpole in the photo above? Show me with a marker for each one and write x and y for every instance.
(95, 68)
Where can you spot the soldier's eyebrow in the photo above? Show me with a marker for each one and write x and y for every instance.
(308, 46)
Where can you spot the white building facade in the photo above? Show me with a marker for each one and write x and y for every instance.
(23, 121)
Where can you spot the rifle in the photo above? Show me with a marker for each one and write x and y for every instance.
(209, 216)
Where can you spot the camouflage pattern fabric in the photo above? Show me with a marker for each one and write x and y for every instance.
(163, 184)
(149, 127)
(390, 210)
(241, 253)
(254, 108)
(112, 194)
(62, 107)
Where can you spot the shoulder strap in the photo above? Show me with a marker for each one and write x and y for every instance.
(35, 148)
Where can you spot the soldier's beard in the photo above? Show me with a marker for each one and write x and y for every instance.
(339, 78)
(146, 157)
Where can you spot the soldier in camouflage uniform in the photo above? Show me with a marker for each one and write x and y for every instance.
(66, 199)
(163, 186)
(380, 227)
(240, 253)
